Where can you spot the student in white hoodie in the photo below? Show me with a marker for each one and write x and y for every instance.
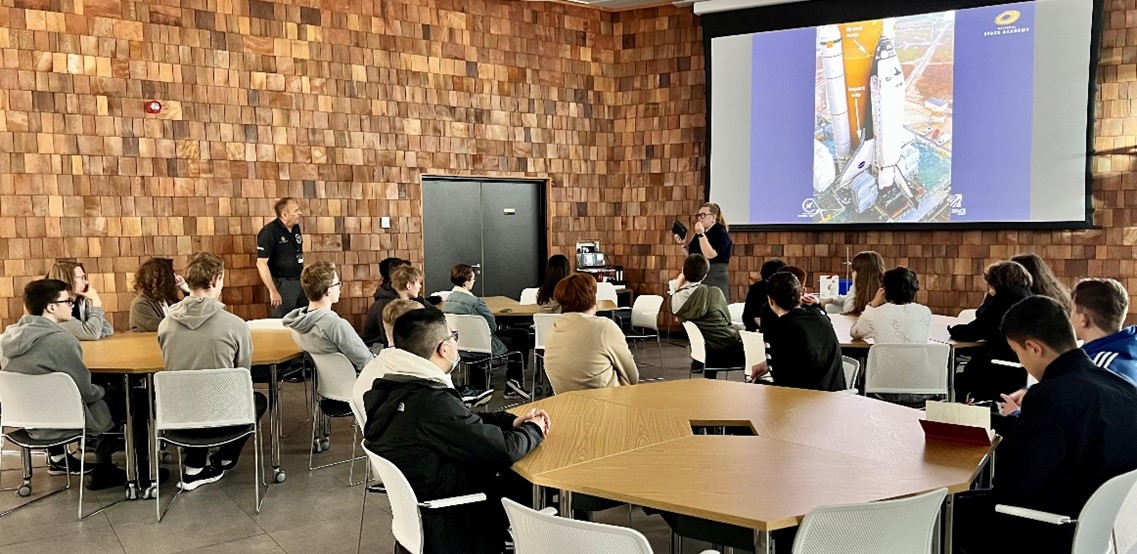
(319, 329)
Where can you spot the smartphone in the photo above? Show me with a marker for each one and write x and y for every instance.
(679, 229)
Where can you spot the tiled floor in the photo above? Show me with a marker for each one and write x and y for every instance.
(311, 511)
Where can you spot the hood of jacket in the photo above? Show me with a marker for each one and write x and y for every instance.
(22, 336)
(303, 320)
(396, 362)
(194, 311)
(385, 291)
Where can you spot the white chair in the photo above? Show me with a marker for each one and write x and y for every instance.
(475, 341)
(645, 317)
(736, 315)
(606, 291)
(528, 297)
(540, 532)
(699, 349)
(335, 379)
(755, 347)
(266, 323)
(189, 400)
(852, 369)
(542, 326)
(49, 401)
(966, 316)
(406, 515)
(1093, 532)
(908, 369)
(903, 526)
(441, 294)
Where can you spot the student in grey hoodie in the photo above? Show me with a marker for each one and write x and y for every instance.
(88, 320)
(198, 333)
(37, 345)
(318, 329)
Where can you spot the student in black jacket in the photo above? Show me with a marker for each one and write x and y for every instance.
(1007, 283)
(756, 295)
(803, 352)
(1076, 431)
(418, 421)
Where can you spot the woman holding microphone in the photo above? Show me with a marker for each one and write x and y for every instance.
(711, 239)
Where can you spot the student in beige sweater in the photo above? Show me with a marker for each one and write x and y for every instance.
(584, 351)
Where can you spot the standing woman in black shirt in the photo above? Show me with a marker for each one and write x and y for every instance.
(712, 239)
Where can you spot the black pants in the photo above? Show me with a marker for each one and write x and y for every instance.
(291, 296)
(514, 339)
(733, 356)
(107, 444)
(230, 452)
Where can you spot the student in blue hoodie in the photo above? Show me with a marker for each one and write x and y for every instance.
(1100, 307)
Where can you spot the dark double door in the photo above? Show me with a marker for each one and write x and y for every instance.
(495, 225)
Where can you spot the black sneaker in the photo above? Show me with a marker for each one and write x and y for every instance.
(106, 476)
(476, 397)
(514, 389)
(62, 466)
(208, 474)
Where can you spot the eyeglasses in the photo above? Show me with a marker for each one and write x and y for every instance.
(452, 335)
(335, 284)
(83, 277)
(702, 215)
(68, 301)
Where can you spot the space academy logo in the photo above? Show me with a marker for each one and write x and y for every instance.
(1005, 24)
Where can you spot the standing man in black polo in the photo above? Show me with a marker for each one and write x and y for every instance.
(280, 258)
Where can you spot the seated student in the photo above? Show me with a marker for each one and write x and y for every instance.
(804, 352)
(463, 301)
(705, 306)
(1007, 284)
(1076, 432)
(373, 322)
(158, 287)
(1100, 307)
(1043, 281)
(893, 316)
(868, 267)
(199, 334)
(556, 269)
(416, 420)
(38, 345)
(584, 351)
(319, 329)
(88, 320)
(767, 319)
(378, 366)
(756, 294)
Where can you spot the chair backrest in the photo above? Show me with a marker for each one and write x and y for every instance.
(736, 312)
(698, 344)
(537, 533)
(542, 326)
(755, 347)
(473, 332)
(1094, 533)
(645, 311)
(335, 376)
(363, 383)
(528, 296)
(852, 369)
(203, 398)
(49, 401)
(967, 316)
(441, 294)
(606, 291)
(406, 522)
(267, 323)
(898, 526)
(907, 368)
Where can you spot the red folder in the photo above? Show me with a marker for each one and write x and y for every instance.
(955, 433)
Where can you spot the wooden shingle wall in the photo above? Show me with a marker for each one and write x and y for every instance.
(345, 104)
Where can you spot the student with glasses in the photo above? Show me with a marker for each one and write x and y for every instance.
(711, 238)
(88, 320)
(319, 329)
(417, 420)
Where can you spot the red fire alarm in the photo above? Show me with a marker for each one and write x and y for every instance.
(153, 106)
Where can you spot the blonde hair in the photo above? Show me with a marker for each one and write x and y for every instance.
(64, 270)
(317, 278)
(202, 268)
(719, 219)
(394, 310)
(405, 275)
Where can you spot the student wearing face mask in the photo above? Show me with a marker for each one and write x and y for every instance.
(418, 421)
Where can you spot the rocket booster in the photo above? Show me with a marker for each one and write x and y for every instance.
(833, 66)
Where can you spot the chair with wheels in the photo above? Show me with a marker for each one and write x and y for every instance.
(335, 380)
(1093, 531)
(33, 402)
(699, 349)
(538, 532)
(902, 526)
(645, 321)
(406, 510)
(191, 400)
